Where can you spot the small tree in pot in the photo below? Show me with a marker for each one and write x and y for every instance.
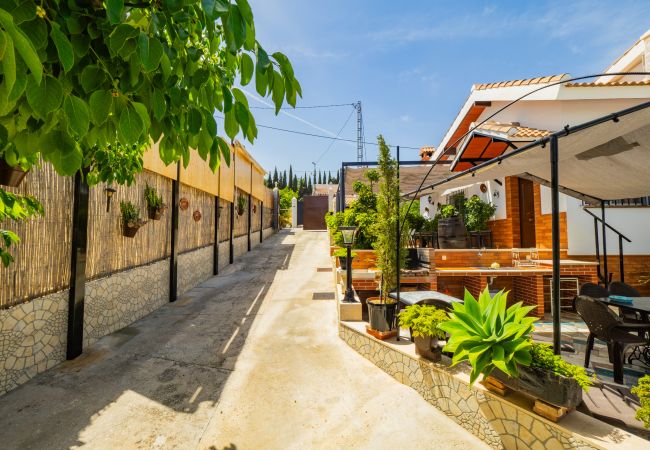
(381, 311)
(155, 205)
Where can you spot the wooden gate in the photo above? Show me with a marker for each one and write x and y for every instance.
(314, 209)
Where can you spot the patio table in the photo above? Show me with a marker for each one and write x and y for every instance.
(642, 306)
(413, 297)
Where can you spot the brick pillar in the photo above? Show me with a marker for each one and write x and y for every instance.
(475, 284)
(530, 291)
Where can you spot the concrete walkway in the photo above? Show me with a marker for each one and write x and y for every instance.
(247, 360)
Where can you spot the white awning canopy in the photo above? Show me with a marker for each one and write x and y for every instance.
(604, 159)
(410, 176)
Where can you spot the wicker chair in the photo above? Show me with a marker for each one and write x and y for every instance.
(620, 288)
(607, 326)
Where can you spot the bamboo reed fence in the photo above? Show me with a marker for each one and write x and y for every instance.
(224, 220)
(241, 221)
(193, 233)
(255, 214)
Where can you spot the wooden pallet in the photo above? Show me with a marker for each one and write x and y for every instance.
(546, 410)
(381, 335)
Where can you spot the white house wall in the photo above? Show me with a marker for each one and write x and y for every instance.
(632, 222)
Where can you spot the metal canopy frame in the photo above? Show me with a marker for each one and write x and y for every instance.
(553, 142)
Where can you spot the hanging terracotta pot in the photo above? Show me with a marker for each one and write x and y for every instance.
(11, 176)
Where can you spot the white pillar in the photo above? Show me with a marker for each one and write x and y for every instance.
(294, 212)
(331, 204)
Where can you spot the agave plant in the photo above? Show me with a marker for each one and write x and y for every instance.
(488, 335)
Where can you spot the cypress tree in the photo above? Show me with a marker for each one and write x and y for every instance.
(290, 179)
(275, 176)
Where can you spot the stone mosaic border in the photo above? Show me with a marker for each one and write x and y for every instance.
(496, 421)
(194, 267)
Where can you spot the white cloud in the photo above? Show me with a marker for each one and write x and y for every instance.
(405, 118)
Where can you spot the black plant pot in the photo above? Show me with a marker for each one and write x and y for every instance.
(544, 385)
(412, 259)
(381, 315)
(427, 347)
(343, 262)
(452, 233)
(10, 176)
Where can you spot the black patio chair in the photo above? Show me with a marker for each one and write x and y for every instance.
(620, 288)
(608, 327)
(591, 290)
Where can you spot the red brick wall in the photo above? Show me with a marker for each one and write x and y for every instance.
(543, 225)
(471, 258)
(636, 266)
(530, 291)
(505, 232)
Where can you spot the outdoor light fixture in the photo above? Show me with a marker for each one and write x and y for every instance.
(348, 239)
(109, 191)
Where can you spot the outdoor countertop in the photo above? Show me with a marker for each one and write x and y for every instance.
(499, 271)
(566, 262)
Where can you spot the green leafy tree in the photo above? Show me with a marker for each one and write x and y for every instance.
(388, 217)
(285, 196)
(90, 84)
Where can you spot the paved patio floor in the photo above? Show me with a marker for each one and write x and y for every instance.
(247, 360)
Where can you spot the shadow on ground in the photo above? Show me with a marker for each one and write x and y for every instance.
(175, 360)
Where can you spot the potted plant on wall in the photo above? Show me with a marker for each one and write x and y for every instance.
(452, 232)
(155, 205)
(642, 390)
(477, 214)
(342, 254)
(14, 168)
(496, 342)
(424, 322)
(241, 204)
(381, 310)
(131, 220)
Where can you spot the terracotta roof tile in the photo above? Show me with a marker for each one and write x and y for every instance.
(513, 130)
(610, 83)
(523, 82)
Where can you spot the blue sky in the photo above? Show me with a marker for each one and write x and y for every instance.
(412, 63)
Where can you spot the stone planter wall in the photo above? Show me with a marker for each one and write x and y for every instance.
(499, 422)
(194, 267)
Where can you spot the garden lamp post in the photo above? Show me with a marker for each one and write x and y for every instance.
(348, 239)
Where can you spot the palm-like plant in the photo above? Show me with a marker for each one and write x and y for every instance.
(488, 335)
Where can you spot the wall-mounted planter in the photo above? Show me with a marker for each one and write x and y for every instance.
(156, 213)
(11, 176)
(130, 229)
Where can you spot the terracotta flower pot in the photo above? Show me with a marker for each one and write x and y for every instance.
(156, 213)
(11, 176)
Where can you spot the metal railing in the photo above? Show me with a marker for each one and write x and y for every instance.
(605, 277)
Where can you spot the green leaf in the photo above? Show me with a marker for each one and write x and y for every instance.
(224, 148)
(159, 104)
(130, 126)
(114, 9)
(213, 8)
(237, 27)
(144, 115)
(91, 78)
(63, 47)
(100, 106)
(23, 45)
(263, 61)
(194, 122)
(80, 44)
(120, 35)
(215, 158)
(247, 68)
(62, 151)
(230, 124)
(9, 64)
(205, 143)
(46, 97)
(278, 91)
(77, 113)
(210, 123)
(24, 12)
(241, 113)
(261, 83)
(3, 44)
(151, 51)
(246, 11)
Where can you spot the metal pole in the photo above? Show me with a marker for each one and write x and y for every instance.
(349, 293)
(250, 220)
(604, 227)
(215, 255)
(342, 187)
(621, 267)
(173, 258)
(261, 222)
(231, 247)
(597, 245)
(555, 206)
(399, 240)
(77, 290)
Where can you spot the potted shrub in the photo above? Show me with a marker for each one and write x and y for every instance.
(241, 204)
(477, 213)
(495, 340)
(381, 310)
(451, 227)
(424, 322)
(342, 255)
(642, 390)
(14, 168)
(155, 205)
(131, 220)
